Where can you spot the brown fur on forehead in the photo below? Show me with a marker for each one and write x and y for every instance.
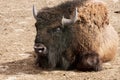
(97, 12)
(49, 16)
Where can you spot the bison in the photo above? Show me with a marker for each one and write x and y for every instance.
(74, 35)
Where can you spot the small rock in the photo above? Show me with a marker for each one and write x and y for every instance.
(117, 12)
(11, 78)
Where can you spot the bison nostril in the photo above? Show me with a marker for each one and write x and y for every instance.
(40, 48)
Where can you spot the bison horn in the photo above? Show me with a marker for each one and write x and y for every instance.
(35, 12)
(72, 20)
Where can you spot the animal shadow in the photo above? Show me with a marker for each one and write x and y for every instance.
(24, 66)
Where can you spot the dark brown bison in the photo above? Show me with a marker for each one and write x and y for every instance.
(74, 35)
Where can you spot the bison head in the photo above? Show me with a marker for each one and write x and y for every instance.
(54, 36)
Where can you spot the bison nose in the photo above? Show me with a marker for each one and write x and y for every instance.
(40, 48)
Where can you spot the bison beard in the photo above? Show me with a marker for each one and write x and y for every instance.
(83, 40)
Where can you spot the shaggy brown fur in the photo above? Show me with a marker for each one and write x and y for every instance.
(85, 44)
(93, 31)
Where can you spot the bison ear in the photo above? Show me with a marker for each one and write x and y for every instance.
(66, 21)
(35, 13)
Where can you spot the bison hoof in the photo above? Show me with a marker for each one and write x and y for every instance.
(97, 68)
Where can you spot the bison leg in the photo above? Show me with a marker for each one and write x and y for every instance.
(89, 61)
(68, 59)
(65, 64)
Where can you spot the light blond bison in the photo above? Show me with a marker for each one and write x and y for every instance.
(74, 35)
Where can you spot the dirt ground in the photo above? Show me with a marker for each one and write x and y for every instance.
(17, 33)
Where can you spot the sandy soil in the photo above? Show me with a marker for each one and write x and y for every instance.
(17, 33)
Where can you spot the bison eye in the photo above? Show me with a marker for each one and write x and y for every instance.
(55, 30)
(58, 29)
